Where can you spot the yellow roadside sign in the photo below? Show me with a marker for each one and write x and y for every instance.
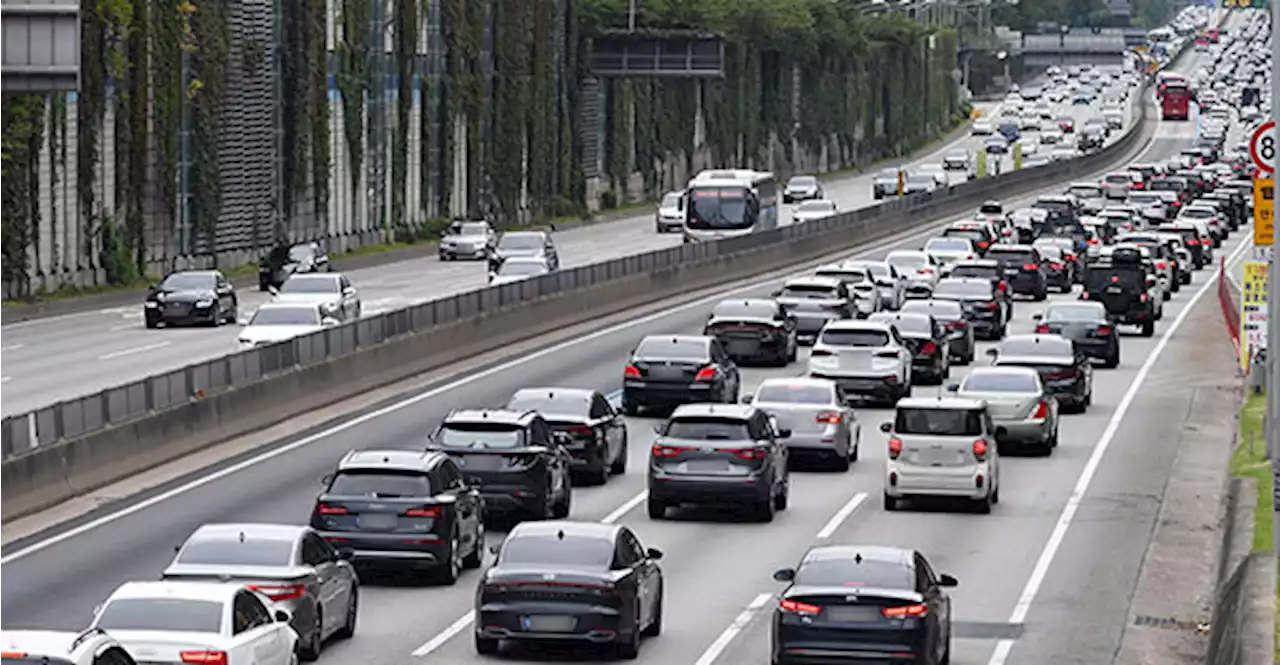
(1264, 212)
(1253, 310)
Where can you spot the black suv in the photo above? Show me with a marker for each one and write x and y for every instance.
(284, 261)
(585, 423)
(402, 508)
(512, 457)
(1024, 269)
(1123, 285)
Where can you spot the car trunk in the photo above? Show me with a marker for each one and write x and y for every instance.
(859, 614)
(741, 337)
(670, 372)
(377, 514)
(801, 419)
(1072, 329)
(927, 450)
(708, 458)
(147, 647)
(549, 585)
(573, 432)
(1120, 290)
(498, 467)
(279, 583)
(1007, 406)
(857, 359)
(812, 303)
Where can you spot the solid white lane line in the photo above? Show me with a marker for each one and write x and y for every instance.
(445, 635)
(5, 379)
(625, 508)
(131, 351)
(843, 514)
(1041, 569)
(722, 642)
(11, 347)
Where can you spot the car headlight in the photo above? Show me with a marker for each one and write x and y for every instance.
(204, 302)
(151, 304)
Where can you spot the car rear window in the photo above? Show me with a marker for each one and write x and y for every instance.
(550, 401)
(708, 429)
(1044, 345)
(569, 551)
(161, 614)
(795, 394)
(380, 483)
(849, 572)
(732, 308)
(855, 337)
(849, 275)
(1000, 382)
(964, 288)
(915, 325)
(812, 291)
(234, 552)
(484, 436)
(667, 348)
(1012, 255)
(938, 422)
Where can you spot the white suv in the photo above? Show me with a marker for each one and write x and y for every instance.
(942, 447)
(864, 358)
(49, 647)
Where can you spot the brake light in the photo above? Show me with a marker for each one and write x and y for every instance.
(745, 453)
(578, 429)
(13, 654)
(983, 244)
(906, 611)
(1031, 266)
(1193, 241)
(980, 450)
(1069, 257)
(425, 511)
(668, 451)
(929, 348)
(925, 271)
(1143, 297)
(204, 657)
(276, 592)
(705, 374)
(1004, 286)
(895, 447)
(1058, 266)
(631, 372)
(1042, 410)
(1104, 331)
(830, 417)
(797, 607)
(330, 509)
(1161, 265)
(957, 325)
(1115, 279)
(1042, 329)
(1093, 241)
(1084, 295)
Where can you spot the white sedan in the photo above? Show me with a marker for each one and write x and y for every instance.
(813, 210)
(197, 622)
(277, 322)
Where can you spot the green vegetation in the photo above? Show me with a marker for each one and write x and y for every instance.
(1248, 463)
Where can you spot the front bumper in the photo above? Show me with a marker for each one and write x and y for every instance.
(463, 252)
(184, 314)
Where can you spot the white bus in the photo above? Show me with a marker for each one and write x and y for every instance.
(725, 203)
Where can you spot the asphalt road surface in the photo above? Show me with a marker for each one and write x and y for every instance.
(1037, 584)
(59, 358)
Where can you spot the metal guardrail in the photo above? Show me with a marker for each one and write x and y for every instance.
(1230, 611)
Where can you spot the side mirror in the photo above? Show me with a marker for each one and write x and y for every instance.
(746, 399)
(154, 286)
(955, 387)
(777, 293)
(784, 434)
(784, 575)
(495, 549)
(653, 553)
(177, 548)
(243, 321)
(948, 581)
(283, 616)
(349, 291)
(886, 427)
(1037, 317)
(657, 429)
(347, 554)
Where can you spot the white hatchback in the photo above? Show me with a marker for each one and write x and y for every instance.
(942, 447)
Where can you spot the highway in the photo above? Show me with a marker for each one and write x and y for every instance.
(1045, 578)
(59, 358)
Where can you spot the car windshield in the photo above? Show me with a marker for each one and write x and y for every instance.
(1036, 346)
(162, 615)
(849, 572)
(668, 348)
(745, 309)
(795, 393)
(236, 552)
(671, 200)
(962, 288)
(815, 206)
(888, 174)
(306, 284)
(509, 268)
(1000, 382)
(948, 245)
(520, 241)
(473, 229)
(707, 429)
(908, 261)
(938, 422)
(567, 551)
(848, 275)
(1086, 191)
(380, 483)
(1075, 313)
(810, 291)
(838, 337)
(300, 253)
(802, 181)
(189, 281)
(551, 401)
(286, 316)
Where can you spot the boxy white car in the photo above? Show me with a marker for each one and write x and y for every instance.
(942, 447)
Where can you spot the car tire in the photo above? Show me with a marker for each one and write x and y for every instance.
(794, 352)
(447, 574)
(629, 408)
(152, 323)
(982, 506)
(853, 453)
(783, 498)
(946, 655)
(619, 466)
(654, 628)
(630, 649)
(1112, 361)
(233, 315)
(1149, 329)
(310, 652)
(766, 510)
(599, 476)
(560, 509)
(475, 558)
(657, 509)
(1041, 294)
(995, 496)
(215, 317)
(348, 629)
(891, 503)
(841, 463)
(486, 646)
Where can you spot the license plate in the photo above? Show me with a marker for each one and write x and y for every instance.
(707, 466)
(852, 613)
(666, 373)
(1114, 289)
(742, 348)
(378, 522)
(549, 623)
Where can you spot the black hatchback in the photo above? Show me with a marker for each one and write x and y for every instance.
(856, 603)
(666, 371)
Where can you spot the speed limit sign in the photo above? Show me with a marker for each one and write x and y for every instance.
(1262, 147)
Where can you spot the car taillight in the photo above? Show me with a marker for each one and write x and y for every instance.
(1104, 331)
(796, 607)
(906, 611)
(631, 372)
(1058, 266)
(705, 374)
(929, 348)
(895, 447)
(1042, 410)
(668, 451)
(330, 509)
(277, 592)
(745, 453)
(204, 657)
(1161, 265)
(1143, 297)
(425, 511)
(1138, 185)
(980, 450)
(1031, 266)
(1069, 257)
(578, 429)
(830, 417)
(1193, 242)
(1042, 329)
(983, 244)
(820, 352)
(957, 325)
(1093, 241)
(925, 271)
(1004, 286)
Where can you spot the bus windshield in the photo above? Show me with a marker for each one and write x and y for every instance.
(719, 208)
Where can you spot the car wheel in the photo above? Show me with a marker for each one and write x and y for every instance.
(1112, 361)
(657, 509)
(619, 466)
(599, 476)
(946, 655)
(152, 322)
(348, 628)
(794, 352)
(629, 407)
(234, 314)
(1088, 399)
(841, 463)
(447, 575)
(766, 510)
(315, 639)
(215, 317)
(982, 506)
(1149, 329)
(995, 496)
(562, 507)
(1041, 294)
(783, 498)
(630, 648)
(654, 628)
(486, 646)
(475, 558)
(853, 453)
(891, 503)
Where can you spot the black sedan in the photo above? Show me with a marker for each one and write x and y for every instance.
(983, 303)
(854, 603)
(1086, 325)
(1023, 269)
(927, 339)
(1066, 373)
(753, 330)
(285, 261)
(666, 371)
(571, 582)
(585, 423)
(203, 297)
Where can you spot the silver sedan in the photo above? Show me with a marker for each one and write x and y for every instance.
(1025, 414)
(822, 425)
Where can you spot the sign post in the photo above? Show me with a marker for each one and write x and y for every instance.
(1253, 311)
(1264, 215)
(1262, 146)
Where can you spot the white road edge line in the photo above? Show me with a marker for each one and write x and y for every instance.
(1041, 569)
(445, 635)
(843, 514)
(722, 642)
(131, 351)
(11, 347)
(5, 379)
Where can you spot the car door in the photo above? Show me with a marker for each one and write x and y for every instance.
(612, 425)
(650, 575)
(939, 605)
(627, 558)
(333, 584)
(467, 503)
(904, 354)
(256, 637)
(762, 429)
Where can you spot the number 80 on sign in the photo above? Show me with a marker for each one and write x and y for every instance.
(1262, 147)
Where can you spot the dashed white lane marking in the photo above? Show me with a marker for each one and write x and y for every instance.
(843, 514)
(131, 351)
(741, 621)
(445, 635)
(12, 347)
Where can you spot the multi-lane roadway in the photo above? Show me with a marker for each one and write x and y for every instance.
(54, 359)
(1044, 578)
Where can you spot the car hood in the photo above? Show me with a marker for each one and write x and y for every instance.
(264, 334)
(182, 296)
(309, 298)
(507, 279)
(518, 252)
(466, 240)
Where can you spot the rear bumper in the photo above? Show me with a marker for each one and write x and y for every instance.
(707, 490)
(517, 621)
(873, 386)
(796, 645)
(655, 394)
(402, 550)
(903, 480)
(1020, 432)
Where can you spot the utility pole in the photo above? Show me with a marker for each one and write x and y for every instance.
(631, 16)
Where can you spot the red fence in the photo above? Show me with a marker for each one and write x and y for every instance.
(1230, 309)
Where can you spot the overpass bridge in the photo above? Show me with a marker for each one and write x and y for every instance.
(1074, 47)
